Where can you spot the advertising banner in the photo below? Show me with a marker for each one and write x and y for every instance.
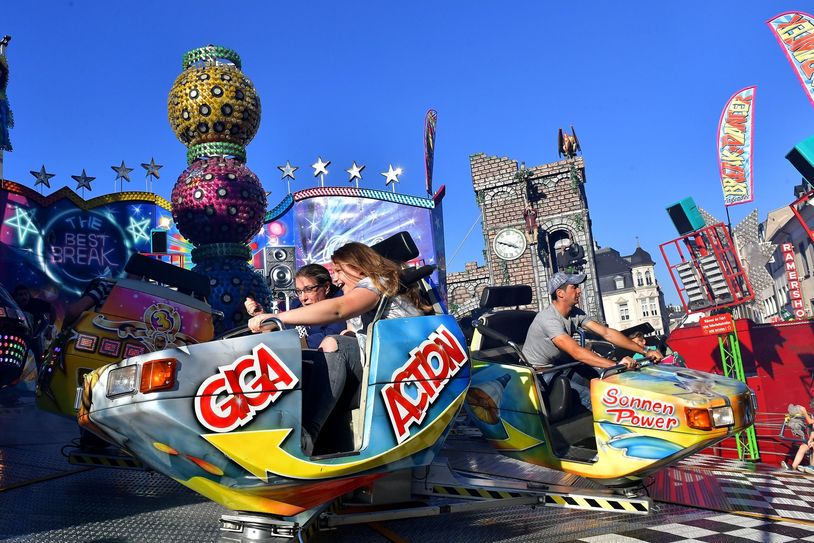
(429, 146)
(795, 32)
(735, 147)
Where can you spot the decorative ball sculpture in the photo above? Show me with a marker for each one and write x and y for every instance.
(218, 200)
(213, 102)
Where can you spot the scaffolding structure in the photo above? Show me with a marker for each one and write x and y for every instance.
(706, 270)
(708, 276)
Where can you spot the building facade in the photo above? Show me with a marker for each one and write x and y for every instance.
(791, 294)
(535, 222)
(630, 293)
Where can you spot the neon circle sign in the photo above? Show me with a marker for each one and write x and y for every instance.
(78, 246)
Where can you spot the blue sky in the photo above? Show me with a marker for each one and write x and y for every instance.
(643, 83)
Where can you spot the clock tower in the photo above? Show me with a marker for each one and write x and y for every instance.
(535, 223)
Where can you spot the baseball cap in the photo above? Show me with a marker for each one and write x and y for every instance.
(561, 279)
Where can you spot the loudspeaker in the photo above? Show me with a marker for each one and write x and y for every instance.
(158, 241)
(279, 267)
(802, 158)
(685, 216)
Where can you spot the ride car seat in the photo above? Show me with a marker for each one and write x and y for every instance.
(558, 397)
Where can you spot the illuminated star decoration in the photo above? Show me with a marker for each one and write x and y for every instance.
(355, 173)
(83, 181)
(43, 177)
(288, 173)
(321, 170)
(23, 223)
(152, 171)
(123, 173)
(392, 176)
(138, 229)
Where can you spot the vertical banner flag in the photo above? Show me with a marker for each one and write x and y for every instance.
(429, 145)
(795, 32)
(735, 147)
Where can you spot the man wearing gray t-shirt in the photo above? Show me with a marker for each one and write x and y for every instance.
(550, 337)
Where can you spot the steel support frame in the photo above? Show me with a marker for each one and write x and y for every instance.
(732, 364)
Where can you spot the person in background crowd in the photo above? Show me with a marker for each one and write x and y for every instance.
(801, 423)
(40, 312)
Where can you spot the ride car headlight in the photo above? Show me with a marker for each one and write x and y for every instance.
(722, 416)
(121, 381)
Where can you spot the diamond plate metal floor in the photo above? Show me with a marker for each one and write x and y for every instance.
(45, 499)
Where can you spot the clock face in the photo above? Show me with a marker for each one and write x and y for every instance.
(509, 244)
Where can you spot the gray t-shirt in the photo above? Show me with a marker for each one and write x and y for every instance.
(399, 307)
(548, 324)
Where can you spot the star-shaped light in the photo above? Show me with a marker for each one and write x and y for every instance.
(43, 177)
(138, 229)
(122, 172)
(288, 170)
(83, 181)
(22, 221)
(152, 168)
(355, 172)
(391, 175)
(320, 168)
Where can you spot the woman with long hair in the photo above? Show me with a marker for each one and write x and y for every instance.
(364, 277)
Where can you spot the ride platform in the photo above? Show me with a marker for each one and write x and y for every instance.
(44, 498)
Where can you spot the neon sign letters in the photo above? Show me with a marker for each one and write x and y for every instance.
(80, 246)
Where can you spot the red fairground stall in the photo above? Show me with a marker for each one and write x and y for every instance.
(778, 361)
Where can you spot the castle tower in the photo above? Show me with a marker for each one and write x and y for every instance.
(536, 222)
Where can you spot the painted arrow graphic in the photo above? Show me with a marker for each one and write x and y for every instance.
(260, 452)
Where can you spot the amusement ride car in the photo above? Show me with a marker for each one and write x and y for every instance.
(642, 420)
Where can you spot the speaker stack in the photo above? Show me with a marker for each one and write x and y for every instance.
(280, 273)
(686, 216)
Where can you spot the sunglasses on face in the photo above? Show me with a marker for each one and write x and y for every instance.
(306, 290)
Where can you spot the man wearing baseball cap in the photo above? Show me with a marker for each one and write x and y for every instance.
(550, 339)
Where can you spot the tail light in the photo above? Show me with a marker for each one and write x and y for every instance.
(157, 375)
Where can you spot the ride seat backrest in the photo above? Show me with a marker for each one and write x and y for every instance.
(558, 397)
(185, 281)
(505, 296)
(513, 323)
(399, 248)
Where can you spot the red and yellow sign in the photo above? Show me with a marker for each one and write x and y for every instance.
(795, 32)
(717, 325)
(735, 147)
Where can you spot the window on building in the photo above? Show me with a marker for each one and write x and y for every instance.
(654, 307)
(624, 312)
(645, 307)
(647, 278)
(804, 259)
(639, 280)
(620, 281)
